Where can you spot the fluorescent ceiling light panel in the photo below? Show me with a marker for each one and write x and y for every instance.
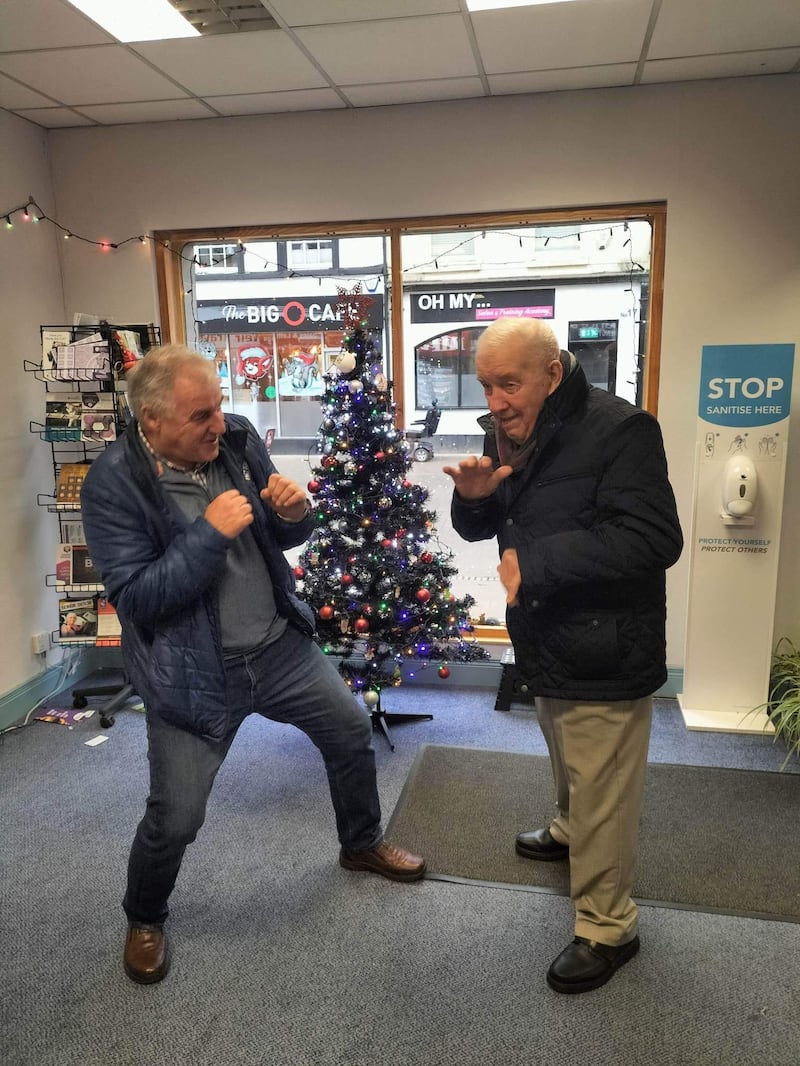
(137, 20)
(494, 5)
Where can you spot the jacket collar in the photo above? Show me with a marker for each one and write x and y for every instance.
(232, 446)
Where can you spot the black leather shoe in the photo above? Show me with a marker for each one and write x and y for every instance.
(146, 957)
(539, 844)
(387, 860)
(586, 964)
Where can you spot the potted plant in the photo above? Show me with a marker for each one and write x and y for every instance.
(783, 705)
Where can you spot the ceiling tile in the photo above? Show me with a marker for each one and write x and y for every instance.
(381, 52)
(586, 33)
(413, 92)
(689, 28)
(736, 65)
(14, 95)
(104, 75)
(263, 60)
(149, 111)
(543, 81)
(45, 24)
(322, 12)
(274, 103)
(53, 117)
(396, 50)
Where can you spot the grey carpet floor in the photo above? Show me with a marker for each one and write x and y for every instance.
(461, 808)
(282, 958)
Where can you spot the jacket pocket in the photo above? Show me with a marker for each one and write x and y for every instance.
(586, 647)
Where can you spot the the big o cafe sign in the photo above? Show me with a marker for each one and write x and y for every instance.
(301, 313)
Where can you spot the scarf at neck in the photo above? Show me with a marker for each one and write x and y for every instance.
(517, 455)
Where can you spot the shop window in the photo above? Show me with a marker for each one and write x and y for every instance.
(445, 370)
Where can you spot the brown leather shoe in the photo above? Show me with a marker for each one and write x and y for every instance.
(146, 954)
(387, 860)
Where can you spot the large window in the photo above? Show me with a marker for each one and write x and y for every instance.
(262, 304)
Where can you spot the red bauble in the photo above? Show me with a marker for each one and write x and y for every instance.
(326, 611)
(426, 557)
(406, 484)
(423, 595)
(380, 456)
(444, 671)
(361, 625)
(386, 543)
(347, 579)
(329, 461)
(313, 485)
(299, 572)
(402, 532)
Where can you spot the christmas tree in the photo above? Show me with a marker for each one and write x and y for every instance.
(372, 571)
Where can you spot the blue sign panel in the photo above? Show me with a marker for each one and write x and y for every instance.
(746, 384)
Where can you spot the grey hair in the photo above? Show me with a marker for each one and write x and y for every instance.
(152, 380)
(539, 340)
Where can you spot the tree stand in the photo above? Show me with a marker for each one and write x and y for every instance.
(380, 718)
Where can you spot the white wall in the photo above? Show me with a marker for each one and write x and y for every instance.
(30, 294)
(718, 152)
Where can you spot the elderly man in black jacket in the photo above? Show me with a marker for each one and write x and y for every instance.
(573, 483)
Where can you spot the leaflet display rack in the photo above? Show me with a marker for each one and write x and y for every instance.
(82, 368)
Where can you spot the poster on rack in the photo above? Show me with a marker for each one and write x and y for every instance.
(742, 436)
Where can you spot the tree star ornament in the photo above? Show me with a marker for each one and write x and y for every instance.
(353, 305)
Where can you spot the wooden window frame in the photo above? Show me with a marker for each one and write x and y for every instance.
(170, 283)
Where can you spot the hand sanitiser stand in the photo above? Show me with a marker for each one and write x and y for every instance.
(742, 435)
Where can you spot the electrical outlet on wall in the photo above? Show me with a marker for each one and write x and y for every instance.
(40, 643)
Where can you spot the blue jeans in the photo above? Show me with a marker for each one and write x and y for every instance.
(289, 681)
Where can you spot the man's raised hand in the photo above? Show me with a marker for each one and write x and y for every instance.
(285, 497)
(229, 513)
(475, 479)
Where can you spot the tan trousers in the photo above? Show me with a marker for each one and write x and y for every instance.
(598, 752)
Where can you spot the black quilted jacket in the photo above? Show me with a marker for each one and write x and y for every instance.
(592, 517)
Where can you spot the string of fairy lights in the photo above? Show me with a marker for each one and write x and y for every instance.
(30, 211)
